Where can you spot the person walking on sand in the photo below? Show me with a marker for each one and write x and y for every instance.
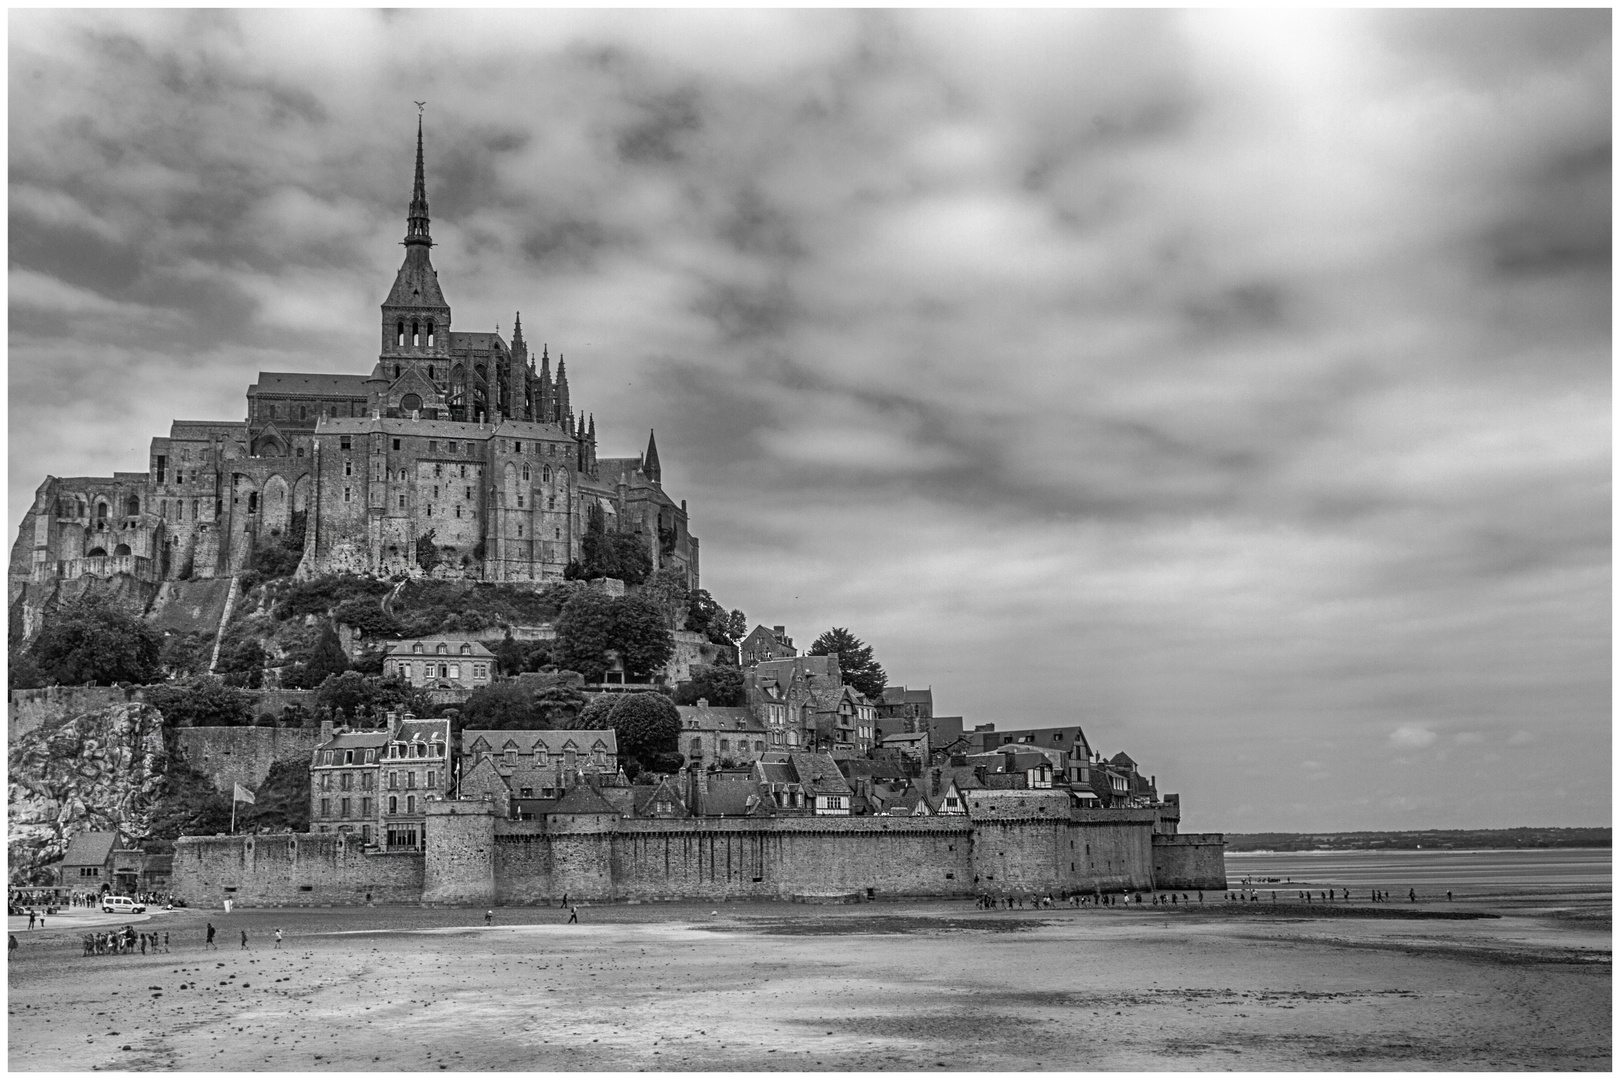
(165, 941)
(11, 947)
(278, 938)
(1411, 894)
(244, 939)
(143, 944)
(564, 901)
(573, 915)
(489, 917)
(30, 918)
(1448, 896)
(209, 944)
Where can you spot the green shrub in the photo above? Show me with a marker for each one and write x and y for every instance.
(205, 701)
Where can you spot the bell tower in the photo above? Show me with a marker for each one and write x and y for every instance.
(415, 358)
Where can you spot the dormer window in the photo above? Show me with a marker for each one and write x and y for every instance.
(442, 649)
(417, 648)
(466, 649)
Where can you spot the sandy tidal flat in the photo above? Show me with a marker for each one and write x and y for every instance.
(777, 986)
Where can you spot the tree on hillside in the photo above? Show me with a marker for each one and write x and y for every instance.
(592, 623)
(281, 802)
(204, 701)
(509, 655)
(557, 705)
(860, 668)
(646, 726)
(243, 665)
(503, 706)
(189, 805)
(604, 554)
(93, 642)
(365, 698)
(719, 684)
(326, 658)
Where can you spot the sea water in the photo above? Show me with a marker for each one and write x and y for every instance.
(1426, 870)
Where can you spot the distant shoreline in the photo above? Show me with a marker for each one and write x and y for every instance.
(1522, 839)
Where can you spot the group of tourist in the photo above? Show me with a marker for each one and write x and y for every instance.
(1093, 899)
(124, 940)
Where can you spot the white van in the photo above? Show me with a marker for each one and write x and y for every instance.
(121, 905)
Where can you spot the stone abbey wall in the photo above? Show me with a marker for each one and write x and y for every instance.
(475, 858)
(290, 869)
(1189, 861)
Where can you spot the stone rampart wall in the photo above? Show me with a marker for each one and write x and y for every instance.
(243, 755)
(31, 708)
(1189, 861)
(291, 869)
(475, 858)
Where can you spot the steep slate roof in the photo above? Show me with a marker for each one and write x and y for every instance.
(739, 797)
(645, 795)
(899, 695)
(484, 777)
(475, 339)
(309, 384)
(425, 729)
(554, 739)
(819, 774)
(777, 772)
(89, 848)
(354, 740)
(403, 649)
(717, 718)
(581, 799)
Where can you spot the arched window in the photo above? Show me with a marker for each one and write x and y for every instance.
(416, 336)
(101, 511)
(431, 373)
(96, 553)
(253, 502)
(121, 549)
(133, 507)
(401, 339)
(396, 366)
(525, 474)
(430, 333)
(545, 474)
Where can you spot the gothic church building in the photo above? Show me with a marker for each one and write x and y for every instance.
(454, 439)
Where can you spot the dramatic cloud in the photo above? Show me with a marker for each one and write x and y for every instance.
(1236, 385)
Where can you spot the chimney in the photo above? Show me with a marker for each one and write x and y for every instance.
(935, 786)
(326, 731)
(703, 703)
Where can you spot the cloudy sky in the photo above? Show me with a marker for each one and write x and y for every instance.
(1234, 385)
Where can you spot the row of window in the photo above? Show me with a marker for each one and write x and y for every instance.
(412, 672)
(345, 806)
(346, 783)
(368, 754)
(273, 411)
(568, 758)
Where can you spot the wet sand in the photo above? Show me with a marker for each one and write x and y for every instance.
(763, 986)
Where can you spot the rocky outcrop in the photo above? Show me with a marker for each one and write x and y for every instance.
(97, 770)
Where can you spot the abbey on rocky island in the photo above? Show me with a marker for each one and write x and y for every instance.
(453, 440)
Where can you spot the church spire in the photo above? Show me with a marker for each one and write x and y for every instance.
(649, 462)
(416, 231)
(517, 332)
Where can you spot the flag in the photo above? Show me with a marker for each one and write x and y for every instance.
(242, 795)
